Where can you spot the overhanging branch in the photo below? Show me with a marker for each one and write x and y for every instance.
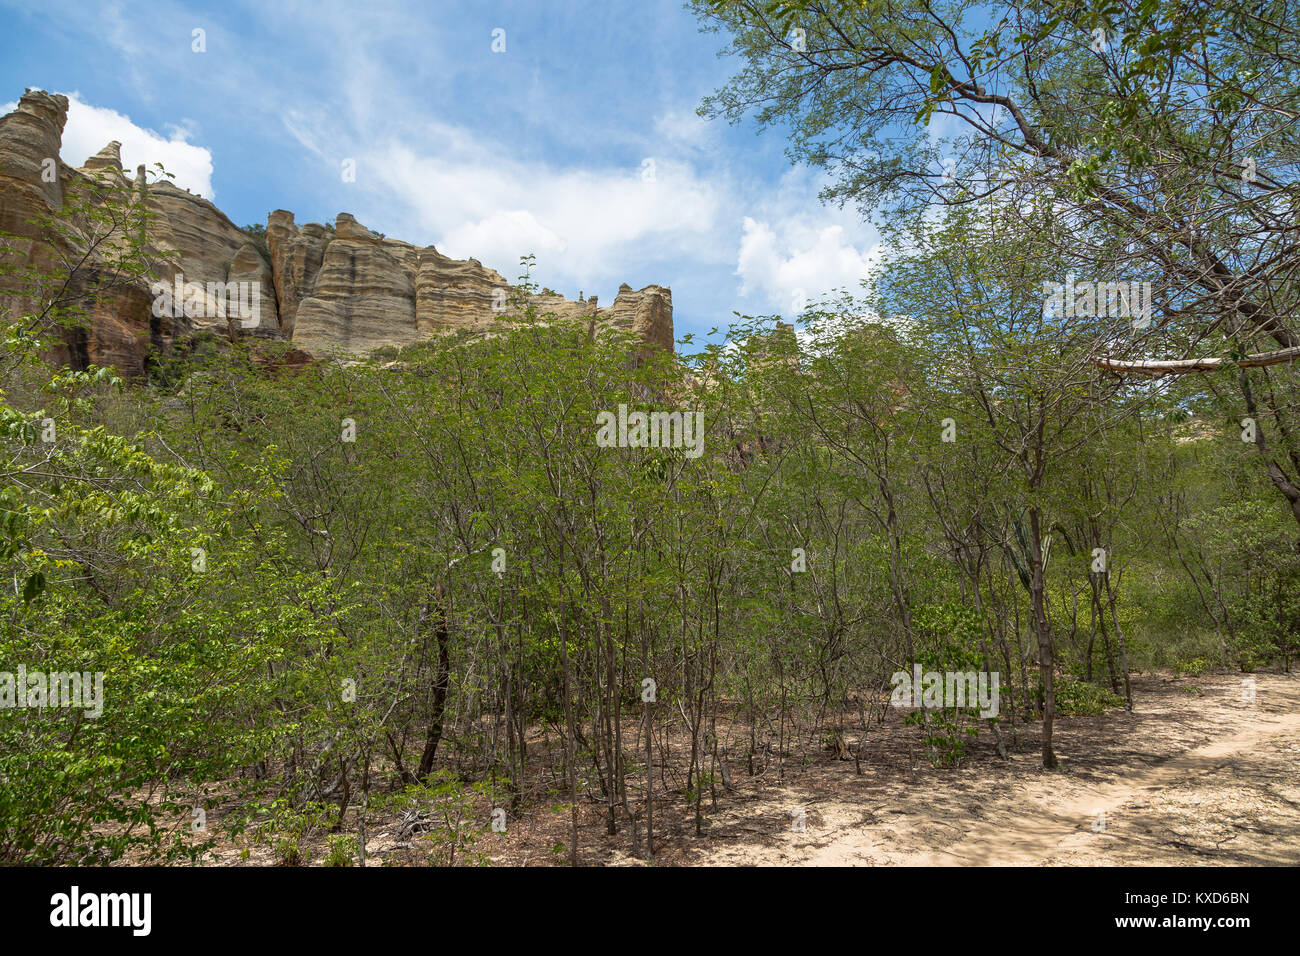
(1158, 367)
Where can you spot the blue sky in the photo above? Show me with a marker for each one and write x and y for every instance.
(579, 143)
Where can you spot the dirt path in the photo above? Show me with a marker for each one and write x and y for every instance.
(1198, 776)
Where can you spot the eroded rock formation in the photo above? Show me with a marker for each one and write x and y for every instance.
(339, 290)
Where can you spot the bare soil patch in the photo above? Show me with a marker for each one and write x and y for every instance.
(1195, 776)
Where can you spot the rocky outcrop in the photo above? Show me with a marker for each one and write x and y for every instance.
(454, 293)
(647, 314)
(107, 161)
(208, 248)
(30, 138)
(363, 296)
(296, 258)
(33, 186)
(350, 290)
(333, 291)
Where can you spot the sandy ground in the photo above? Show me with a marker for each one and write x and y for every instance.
(1196, 776)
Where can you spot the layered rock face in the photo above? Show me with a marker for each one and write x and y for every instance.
(30, 138)
(350, 291)
(333, 291)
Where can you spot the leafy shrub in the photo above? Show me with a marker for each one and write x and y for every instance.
(1192, 668)
(1079, 698)
(343, 850)
(444, 818)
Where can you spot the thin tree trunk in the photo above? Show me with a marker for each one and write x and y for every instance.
(649, 786)
(1043, 632)
(441, 683)
(1111, 598)
(570, 769)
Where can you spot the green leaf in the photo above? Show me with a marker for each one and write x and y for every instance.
(936, 78)
(34, 586)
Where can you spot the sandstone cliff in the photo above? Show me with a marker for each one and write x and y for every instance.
(339, 290)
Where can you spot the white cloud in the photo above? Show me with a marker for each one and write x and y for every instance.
(593, 226)
(585, 225)
(794, 250)
(90, 128)
(799, 263)
(501, 236)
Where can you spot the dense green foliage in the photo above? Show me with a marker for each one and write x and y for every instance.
(346, 629)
